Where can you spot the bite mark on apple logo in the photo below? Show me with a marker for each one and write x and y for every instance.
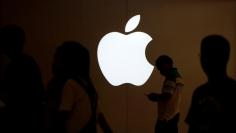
(122, 58)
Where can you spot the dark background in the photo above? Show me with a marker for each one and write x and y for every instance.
(176, 26)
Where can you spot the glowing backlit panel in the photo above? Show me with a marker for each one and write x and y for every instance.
(122, 58)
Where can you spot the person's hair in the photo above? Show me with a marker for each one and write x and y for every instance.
(163, 60)
(75, 59)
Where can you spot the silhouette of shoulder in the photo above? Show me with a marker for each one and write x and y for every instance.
(25, 60)
(202, 89)
(214, 103)
(74, 88)
(73, 93)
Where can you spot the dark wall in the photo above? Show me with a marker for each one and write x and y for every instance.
(176, 27)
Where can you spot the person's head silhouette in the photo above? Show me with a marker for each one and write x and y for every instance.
(71, 60)
(214, 55)
(164, 63)
(12, 40)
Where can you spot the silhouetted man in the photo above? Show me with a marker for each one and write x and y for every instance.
(23, 84)
(212, 109)
(169, 98)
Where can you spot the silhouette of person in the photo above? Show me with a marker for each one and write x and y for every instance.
(3, 64)
(72, 99)
(23, 84)
(169, 98)
(212, 110)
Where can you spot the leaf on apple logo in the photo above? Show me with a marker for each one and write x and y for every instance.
(132, 23)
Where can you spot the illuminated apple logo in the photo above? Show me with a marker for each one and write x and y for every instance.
(122, 58)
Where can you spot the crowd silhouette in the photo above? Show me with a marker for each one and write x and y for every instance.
(70, 103)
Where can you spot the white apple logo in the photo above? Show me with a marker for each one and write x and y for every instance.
(122, 58)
